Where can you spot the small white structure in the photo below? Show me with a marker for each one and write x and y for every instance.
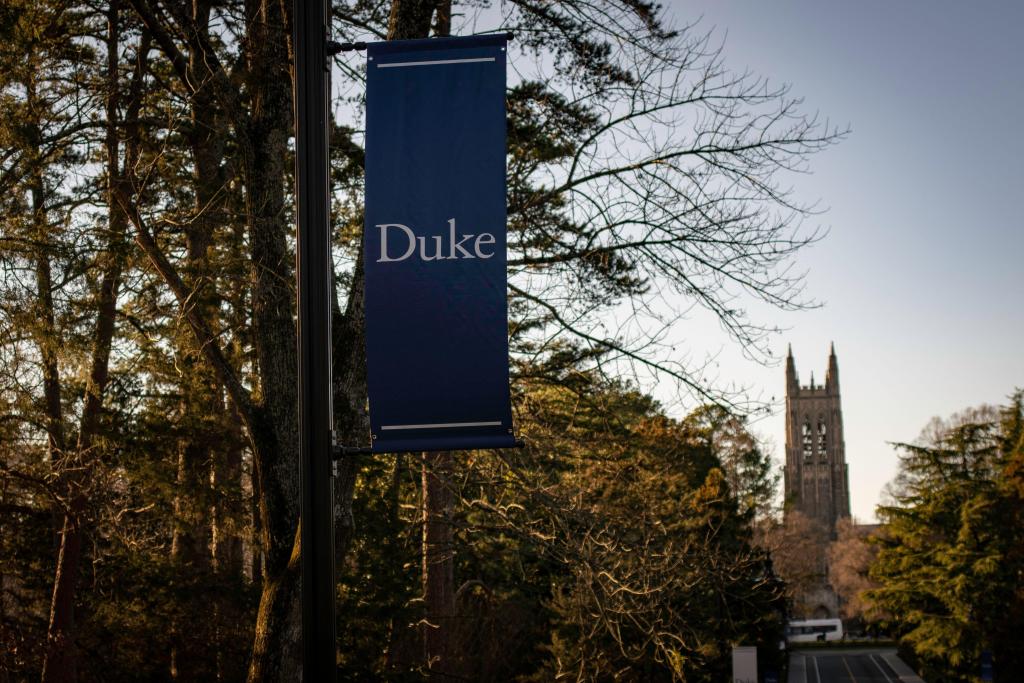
(744, 664)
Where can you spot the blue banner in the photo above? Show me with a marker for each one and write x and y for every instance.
(434, 245)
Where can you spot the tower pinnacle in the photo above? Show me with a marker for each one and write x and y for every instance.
(791, 381)
(832, 376)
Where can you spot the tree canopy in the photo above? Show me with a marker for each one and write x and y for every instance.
(949, 565)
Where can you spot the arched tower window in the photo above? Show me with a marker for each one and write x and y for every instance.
(822, 438)
(808, 443)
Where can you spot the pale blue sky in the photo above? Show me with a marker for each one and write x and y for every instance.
(921, 275)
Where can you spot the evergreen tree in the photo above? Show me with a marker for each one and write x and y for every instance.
(949, 566)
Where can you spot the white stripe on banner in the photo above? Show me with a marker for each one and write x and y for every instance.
(442, 425)
(435, 61)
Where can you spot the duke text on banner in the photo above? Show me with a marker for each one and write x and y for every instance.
(435, 245)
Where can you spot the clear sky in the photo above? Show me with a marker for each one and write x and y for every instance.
(922, 275)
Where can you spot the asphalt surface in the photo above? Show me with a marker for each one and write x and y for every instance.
(849, 666)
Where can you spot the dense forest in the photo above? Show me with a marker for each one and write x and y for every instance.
(148, 427)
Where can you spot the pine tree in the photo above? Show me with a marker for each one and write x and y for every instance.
(949, 566)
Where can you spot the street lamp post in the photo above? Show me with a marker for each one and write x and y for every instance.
(313, 279)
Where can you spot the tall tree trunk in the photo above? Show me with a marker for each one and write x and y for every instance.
(60, 663)
(411, 18)
(231, 551)
(351, 422)
(277, 651)
(438, 563)
(262, 125)
(203, 449)
(47, 339)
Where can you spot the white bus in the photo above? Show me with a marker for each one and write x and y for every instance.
(811, 630)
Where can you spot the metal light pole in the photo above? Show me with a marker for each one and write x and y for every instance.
(313, 274)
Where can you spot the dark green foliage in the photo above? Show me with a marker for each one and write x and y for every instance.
(747, 466)
(611, 544)
(26, 563)
(950, 563)
(378, 584)
(663, 579)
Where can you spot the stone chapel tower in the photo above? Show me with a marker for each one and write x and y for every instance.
(816, 475)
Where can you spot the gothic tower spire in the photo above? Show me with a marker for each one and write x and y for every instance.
(816, 476)
(832, 376)
(791, 380)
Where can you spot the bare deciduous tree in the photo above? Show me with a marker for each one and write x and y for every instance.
(798, 549)
(849, 561)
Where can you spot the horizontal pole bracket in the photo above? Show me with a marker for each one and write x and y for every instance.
(332, 47)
